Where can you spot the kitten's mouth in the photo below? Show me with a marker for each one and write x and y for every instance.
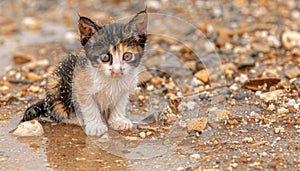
(116, 75)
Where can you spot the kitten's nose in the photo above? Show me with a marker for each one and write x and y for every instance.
(116, 69)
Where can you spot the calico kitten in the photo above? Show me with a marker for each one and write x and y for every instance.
(94, 88)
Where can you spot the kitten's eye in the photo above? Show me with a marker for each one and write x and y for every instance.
(105, 58)
(127, 56)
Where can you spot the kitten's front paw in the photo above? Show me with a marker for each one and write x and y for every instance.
(120, 123)
(95, 130)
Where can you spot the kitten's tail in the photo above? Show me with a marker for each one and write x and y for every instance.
(35, 111)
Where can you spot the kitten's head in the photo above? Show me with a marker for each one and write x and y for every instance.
(115, 48)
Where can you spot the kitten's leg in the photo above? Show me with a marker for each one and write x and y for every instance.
(117, 119)
(94, 125)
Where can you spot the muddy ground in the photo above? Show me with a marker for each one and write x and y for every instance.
(219, 88)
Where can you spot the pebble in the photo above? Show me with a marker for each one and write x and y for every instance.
(31, 23)
(234, 87)
(34, 88)
(282, 110)
(242, 78)
(29, 128)
(222, 114)
(290, 39)
(196, 82)
(292, 73)
(202, 75)
(271, 107)
(142, 135)
(141, 98)
(240, 96)
(35, 64)
(197, 124)
(195, 156)
(248, 62)
(279, 129)
(247, 140)
(271, 96)
(21, 59)
(224, 92)
(32, 76)
(183, 106)
(258, 93)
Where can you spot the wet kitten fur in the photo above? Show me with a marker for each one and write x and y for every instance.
(94, 88)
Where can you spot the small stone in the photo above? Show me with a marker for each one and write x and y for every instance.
(32, 76)
(272, 165)
(248, 140)
(148, 133)
(29, 128)
(31, 23)
(234, 165)
(290, 39)
(142, 135)
(271, 107)
(271, 96)
(222, 114)
(202, 75)
(248, 62)
(292, 73)
(279, 129)
(195, 156)
(21, 59)
(197, 124)
(261, 47)
(35, 64)
(34, 88)
(234, 87)
(196, 82)
(282, 110)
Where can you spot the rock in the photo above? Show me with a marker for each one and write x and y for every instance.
(271, 107)
(261, 47)
(35, 64)
(234, 87)
(222, 114)
(197, 124)
(282, 110)
(31, 23)
(142, 135)
(21, 59)
(292, 73)
(29, 128)
(279, 129)
(290, 39)
(32, 76)
(202, 75)
(191, 64)
(271, 96)
(248, 62)
(240, 96)
(195, 156)
(34, 88)
(222, 40)
(183, 106)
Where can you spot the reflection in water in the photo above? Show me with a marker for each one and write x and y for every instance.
(68, 148)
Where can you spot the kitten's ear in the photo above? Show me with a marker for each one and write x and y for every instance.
(138, 24)
(87, 28)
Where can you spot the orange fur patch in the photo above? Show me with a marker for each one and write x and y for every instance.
(59, 109)
(52, 84)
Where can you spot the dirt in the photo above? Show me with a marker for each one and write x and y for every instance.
(219, 88)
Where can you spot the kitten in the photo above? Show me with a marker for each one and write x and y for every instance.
(94, 88)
